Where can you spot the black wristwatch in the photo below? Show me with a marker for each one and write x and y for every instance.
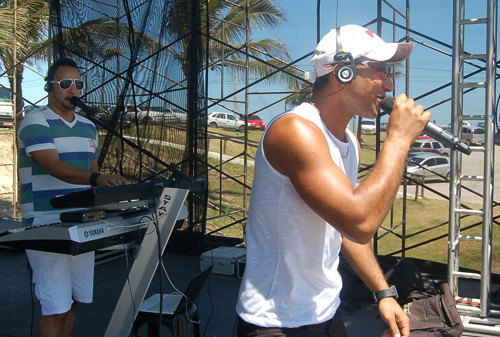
(93, 178)
(389, 292)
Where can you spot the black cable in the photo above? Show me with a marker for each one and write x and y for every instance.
(160, 262)
(207, 57)
(128, 279)
(318, 21)
(209, 288)
(150, 218)
(330, 94)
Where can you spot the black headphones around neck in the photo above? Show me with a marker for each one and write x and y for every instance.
(346, 72)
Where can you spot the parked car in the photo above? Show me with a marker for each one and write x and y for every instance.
(104, 113)
(159, 115)
(225, 120)
(430, 144)
(368, 126)
(429, 165)
(423, 135)
(180, 115)
(472, 135)
(416, 152)
(254, 122)
(448, 126)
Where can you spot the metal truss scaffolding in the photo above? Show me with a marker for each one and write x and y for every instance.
(481, 307)
(144, 86)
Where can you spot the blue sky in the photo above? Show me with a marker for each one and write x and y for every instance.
(428, 69)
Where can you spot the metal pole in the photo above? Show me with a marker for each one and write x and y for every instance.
(490, 154)
(14, 119)
(453, 245)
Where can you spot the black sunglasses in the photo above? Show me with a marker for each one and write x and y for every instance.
(65, 84)
(381, 67)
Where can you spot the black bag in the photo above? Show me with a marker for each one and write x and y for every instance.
(405, 276)
(433, 313)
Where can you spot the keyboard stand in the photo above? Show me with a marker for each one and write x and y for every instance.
(111, 253)
(144, 267)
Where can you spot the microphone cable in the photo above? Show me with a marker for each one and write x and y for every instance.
(330, 94)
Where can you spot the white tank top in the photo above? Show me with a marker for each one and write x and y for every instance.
(291, 277)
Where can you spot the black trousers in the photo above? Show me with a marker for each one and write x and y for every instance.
(332, 328)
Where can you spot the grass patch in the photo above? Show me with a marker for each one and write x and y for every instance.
(228, 197)
(427, 234)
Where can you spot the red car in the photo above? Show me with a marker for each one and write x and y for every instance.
(424, 136)
(254, 122)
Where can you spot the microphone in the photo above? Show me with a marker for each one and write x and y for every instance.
(76, 101)
(89, 110)
(443, 136)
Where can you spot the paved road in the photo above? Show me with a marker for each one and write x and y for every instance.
(471, 165)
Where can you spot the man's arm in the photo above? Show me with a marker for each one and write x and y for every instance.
(362, 259)
(50, 162)
(297, 148)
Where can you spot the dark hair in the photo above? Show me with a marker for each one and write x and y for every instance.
(320, 83)
(61, 62)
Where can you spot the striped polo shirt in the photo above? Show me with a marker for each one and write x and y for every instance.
(76, 144)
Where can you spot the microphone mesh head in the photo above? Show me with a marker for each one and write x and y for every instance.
(386, 104)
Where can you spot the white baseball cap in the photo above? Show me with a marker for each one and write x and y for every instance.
(360, 42)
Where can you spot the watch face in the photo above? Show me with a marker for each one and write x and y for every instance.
(393, 291)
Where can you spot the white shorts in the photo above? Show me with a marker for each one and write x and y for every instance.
(60, 278)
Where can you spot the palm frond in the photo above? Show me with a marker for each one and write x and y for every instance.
(262, 15)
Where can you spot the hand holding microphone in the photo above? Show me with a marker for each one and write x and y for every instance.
(438, 133)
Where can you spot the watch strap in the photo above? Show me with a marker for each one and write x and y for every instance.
(93, 178)
(389, 292)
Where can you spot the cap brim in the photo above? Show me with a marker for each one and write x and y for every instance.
(401, 53)
(390, 52)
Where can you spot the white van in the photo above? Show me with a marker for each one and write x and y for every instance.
(368, 126)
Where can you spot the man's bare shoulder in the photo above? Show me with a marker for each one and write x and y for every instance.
(293, 139)
(291, 126)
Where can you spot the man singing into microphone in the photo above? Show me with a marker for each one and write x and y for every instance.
(58, 155)
(305, 206)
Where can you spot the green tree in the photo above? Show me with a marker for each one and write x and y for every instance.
(303, 93)
(226, 25)
(17, 43)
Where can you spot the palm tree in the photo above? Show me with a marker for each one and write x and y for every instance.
(31, 26)
(32, 39)
(303, 93)
(225, 23)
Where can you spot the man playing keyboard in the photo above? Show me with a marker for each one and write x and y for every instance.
(58, 152)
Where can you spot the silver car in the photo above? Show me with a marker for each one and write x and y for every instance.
(472, 135)
(430, 144)
(157, 114)
(428, 165)
(368, 127)
(225, 120)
